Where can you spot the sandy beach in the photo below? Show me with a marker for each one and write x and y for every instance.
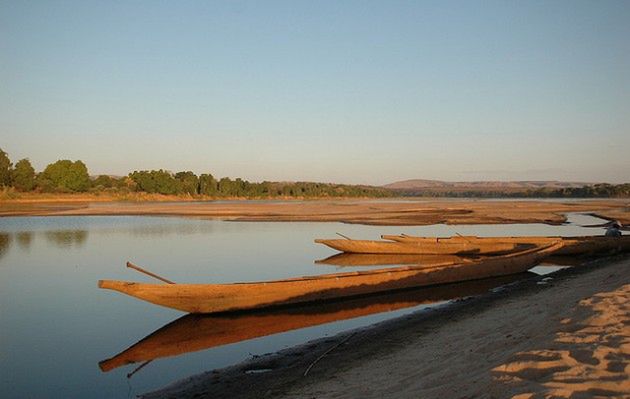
(563, 336)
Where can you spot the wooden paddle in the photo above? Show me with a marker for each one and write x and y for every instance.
(148, 273)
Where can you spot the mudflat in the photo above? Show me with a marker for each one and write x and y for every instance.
(371, 212)
(564, 337)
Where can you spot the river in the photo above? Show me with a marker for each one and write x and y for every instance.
(56, 325)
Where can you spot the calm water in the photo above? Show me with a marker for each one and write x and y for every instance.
(56, 325)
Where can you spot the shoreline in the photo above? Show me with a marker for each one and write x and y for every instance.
(384, 212)
(505, 343)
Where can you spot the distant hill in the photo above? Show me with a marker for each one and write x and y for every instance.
(437, 187)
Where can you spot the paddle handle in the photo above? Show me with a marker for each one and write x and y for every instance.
(346, 237)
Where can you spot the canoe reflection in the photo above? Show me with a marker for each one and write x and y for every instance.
(195, 332)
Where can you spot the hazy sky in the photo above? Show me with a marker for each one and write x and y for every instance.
(345, 91)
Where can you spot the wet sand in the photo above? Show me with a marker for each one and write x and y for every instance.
(371, 212)
(565, 337)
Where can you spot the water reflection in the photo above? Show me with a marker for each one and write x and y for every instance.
(194, 332)
(66, 238)
(161, 230)
(5, 243)
(60, 238)
(24, 239)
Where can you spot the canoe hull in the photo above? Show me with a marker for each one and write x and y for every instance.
(349, 259)
(575, 246)
(572, 246)
(435, 247)
(211, 298)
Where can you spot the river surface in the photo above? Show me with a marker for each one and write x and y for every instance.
(56, 325)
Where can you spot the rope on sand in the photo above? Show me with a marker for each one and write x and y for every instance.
(327, 352)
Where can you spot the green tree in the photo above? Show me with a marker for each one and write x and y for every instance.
(226, 187)
(156, 181)
(143, 181)
(5, 169)
(189, 182)
(64, 176)
(23, 176)
(207, 184)
(103, 181)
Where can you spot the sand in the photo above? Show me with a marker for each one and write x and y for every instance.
(567, 336)
(589, 355)
(371, 212)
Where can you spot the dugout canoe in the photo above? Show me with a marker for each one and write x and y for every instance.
(405, 238)
(196, 332)
(572, 246)
(349, 259)
(592, 245)
(211, 298)
(425, 247)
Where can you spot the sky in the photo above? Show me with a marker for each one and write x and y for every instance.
(362, 92)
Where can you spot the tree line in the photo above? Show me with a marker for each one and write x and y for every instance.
(65, 176)
(599, 190)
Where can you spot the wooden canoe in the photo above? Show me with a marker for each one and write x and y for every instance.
(434, 247)
(572, 246)
(211, 298)
(576, 246)
(349, 259)
(405, 238)
(196, 332)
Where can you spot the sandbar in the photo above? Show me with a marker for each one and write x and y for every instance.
(370, 212)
